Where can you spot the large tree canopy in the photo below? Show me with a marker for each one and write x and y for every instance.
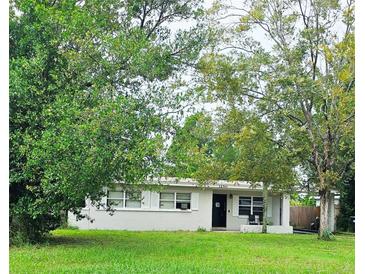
(238, 146)
(89, 81)
(191, 147)
(293, 62)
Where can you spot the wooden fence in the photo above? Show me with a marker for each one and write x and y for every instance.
(303, 216)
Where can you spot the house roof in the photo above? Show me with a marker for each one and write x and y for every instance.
(336, 196)
(213, 184)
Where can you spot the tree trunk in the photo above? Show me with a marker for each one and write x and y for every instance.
(264, 213)
(324, 224)
(63, 218)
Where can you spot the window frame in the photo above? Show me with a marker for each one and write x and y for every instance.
(251, 205)
(167, 200)
(260, 206)
(123, 199)
(244, 206)
(126, 198)
(174, 200)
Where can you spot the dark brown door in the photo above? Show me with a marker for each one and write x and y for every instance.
(219, 214)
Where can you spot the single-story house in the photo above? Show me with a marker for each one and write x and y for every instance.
(183, 204)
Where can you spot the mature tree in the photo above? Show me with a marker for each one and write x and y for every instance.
(293, 60)
(249, 151)
(191, 147)
(89, 81)
(241, 147)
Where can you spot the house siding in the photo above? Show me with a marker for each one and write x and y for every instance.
(150, 217)
(276, 202)
(235, 222)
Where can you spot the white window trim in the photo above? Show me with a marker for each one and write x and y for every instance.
(175, 201)
(251, 206)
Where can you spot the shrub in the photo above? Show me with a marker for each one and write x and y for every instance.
(24, 229)
(327, 235)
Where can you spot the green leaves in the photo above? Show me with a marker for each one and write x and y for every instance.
(299, 84)
(88, 83)
(191, 148)
(239, 147)
(93, 147)
(302, 84)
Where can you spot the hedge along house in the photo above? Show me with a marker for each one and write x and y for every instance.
(183, 204)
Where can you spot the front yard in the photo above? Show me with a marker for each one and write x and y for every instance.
(75, 251)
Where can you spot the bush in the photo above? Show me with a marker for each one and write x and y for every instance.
(296, 200)
(24, 229)
(201, 229)
(327, 235)
(17, 238)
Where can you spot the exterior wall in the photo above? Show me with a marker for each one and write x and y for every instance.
(285, 210)
(234, 221)
(331, 213)
(276, 205)
(151, 217)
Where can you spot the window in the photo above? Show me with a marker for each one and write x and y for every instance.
(167, 200)
(173, 200)
(183, 201)
(115, 198)
(250, 205)
(133, 200)
(244, 206)
(257, 206)
(123, 199)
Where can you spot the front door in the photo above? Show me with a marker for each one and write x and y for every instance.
(219, 210)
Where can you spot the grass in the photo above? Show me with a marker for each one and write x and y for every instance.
(76, 251)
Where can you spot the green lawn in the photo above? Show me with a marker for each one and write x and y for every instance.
(75, 251)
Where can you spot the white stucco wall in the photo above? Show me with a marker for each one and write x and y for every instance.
(150, 217)
(285, 210)
(276, 204)
(331, 213)
(235, 221)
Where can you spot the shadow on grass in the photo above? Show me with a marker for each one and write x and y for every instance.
(70, 241)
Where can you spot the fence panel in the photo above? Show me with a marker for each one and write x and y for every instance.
(303, 216)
